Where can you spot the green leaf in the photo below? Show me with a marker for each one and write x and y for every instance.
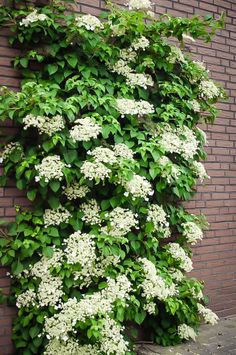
(139, 317)
(54, 202)
(55, 185)
(52, 68)
(31, 194)
(48, 252)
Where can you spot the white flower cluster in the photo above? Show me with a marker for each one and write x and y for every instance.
(95, 170)
(34, 16)
(176, 274)
(139, 4)
(50, 289)
(138, 187)
(50, 168)
(56, 217)
(158, 217)
(103, 155)
(8, 150)
(200, 171)
(154, 285)
(208, 315)
(150, 307)
(197, 294)
(208, 90)
(139, 79)
(132, 107)
(178, 253)
(176, 55)
(89, 306)
(121, 222)
(26, 299)
(192, 232)
(122, 151)
(122, 67)
(44, 124)
(75, 190)
(179, 140)
(169, 171)
(112, 339)
(95, 270)
(200, 65)
(85, 129)
(91, 212)
(70, 347)
(91, 23)
(195, 105)
(140, 43)
(80, 249)
(186, 332)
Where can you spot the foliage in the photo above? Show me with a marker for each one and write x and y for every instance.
(106, 198)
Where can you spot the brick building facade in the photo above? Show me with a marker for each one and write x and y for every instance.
(215, 256)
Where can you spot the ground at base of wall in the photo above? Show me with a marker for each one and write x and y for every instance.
(219, 339)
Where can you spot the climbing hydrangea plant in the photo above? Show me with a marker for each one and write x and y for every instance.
(107, 147)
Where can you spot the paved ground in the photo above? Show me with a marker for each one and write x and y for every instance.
(216, 340)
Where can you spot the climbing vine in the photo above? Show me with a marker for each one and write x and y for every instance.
(107, 147)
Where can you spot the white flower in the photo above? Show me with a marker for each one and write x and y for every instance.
(122, 220)
(158, 217)
(139, 79)
(132, 107)
(112, 341)
(101, 302)
(127, 55)
(176, 274)
(195, 105)
(70, 347)
(140, 43)
(175, 55)
(80, 249)
(192, 232)
(34, 16)
(50, 291)
(179, 140)
(122, 151)
(200, 65)
(26, 299)
(48, 125)
(96, 170)
(56, 217)
(139, 4)
(154, 285)
(75, 190)
(91, 23)
(103, 155)
(186, 332)
(122, 68)
(91, 212)
(50, 168)
(178, 253)
(208, 90)
(208, 315)
(138, 186)
(150, 307)
(200, 171)
(85, 129)
(9, 149)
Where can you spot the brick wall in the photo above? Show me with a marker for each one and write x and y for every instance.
(215, 256)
